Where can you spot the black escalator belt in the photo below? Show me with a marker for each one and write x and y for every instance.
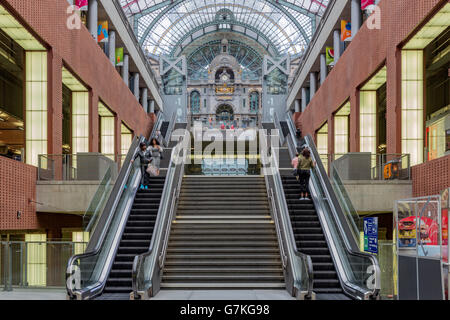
(311, 240)
(284, 128)
(178, 126)
(164, 128)
(135, 239)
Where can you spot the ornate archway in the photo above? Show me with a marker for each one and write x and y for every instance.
(224, 114)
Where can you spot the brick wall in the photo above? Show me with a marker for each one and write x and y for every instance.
(18, 187)
(432, 177)
(77, 51)
(369, 50)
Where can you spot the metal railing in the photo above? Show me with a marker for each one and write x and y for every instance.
(359, 273)
(98, 202)
(172, 123)
(147, 267)
(35, 264)
(386, 166)
(277, 124)
(298, 267)
(76, 167)
(93, 266)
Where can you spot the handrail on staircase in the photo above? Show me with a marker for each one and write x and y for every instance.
(299, 268)
(349, 260)
(147, 267)
(98, 248)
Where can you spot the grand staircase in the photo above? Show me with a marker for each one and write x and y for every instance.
(223, 237)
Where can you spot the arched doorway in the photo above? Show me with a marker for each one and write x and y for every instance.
(224, 114)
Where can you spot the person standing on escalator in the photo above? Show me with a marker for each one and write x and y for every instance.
(305, 164)
(156, 152)
(144, 158)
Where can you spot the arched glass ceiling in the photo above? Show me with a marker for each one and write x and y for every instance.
(248, 58)
(167, 26)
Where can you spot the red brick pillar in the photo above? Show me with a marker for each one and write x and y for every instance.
(394, 102)
(330, 135)
(55, 114)
(354, 122)
(118, 138)
(93, 122)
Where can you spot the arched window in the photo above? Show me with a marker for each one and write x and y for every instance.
(195, 102)
(254, 101)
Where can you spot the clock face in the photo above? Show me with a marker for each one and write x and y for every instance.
(224, 77)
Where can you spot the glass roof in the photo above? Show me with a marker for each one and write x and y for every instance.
(168, 26)
(249, 60)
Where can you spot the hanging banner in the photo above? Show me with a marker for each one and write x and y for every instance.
(102, 31)
(366, 3)
(119, 57)
(330, 56)
(346, 30)
(82, 4)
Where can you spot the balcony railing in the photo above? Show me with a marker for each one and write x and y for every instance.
(35, 264)
(77, 167)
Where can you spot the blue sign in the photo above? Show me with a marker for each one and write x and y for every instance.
(371, 235)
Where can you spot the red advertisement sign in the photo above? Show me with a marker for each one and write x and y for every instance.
(366, 3)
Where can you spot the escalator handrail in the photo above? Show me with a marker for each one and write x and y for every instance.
(277, 124)
(291, 126)
(158, 122)
(287, 227)
(351, 246)
(170, 128)
(98, 236)
(162, 216)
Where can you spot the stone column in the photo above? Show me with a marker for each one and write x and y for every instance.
(297, 106)
(93, 18)
(125, 70)
(136, 85)
(304, 99)
(144, 99)
(152, 106)
(337, 45)
(112, 47)
(356, 16)
(323, 68)
(312, 85)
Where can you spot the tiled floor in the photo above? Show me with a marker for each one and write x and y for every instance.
(33, 294)
(223, 295)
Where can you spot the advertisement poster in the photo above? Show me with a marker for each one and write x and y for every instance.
(82, 4)
(119, 57)
(102, 31)
(346, 30)
(371, 235)
(330, 56)
(428, 232)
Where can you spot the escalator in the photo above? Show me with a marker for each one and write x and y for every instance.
(164, 128)
(123, 230)
(135, 240)
(325, 232)
(311, 240)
